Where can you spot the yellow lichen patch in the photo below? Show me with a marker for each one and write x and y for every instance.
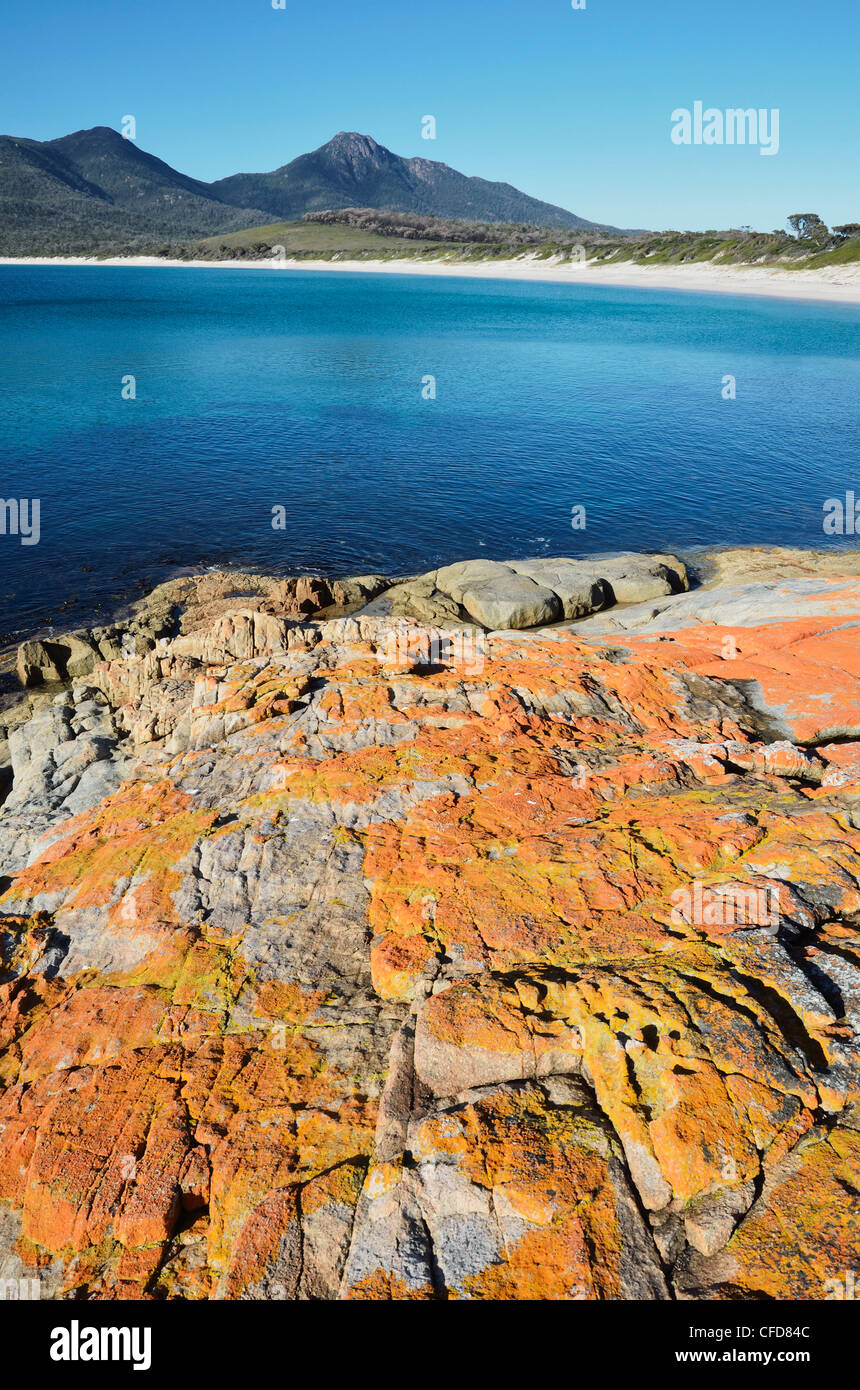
(552, 1170)
(397, 964)
(804, 1237)
(464, 1016)
(341, 1186)
(696, 1134)
(140, 833)
(383, 1287)
(773, 1121)
(89, 1027)
(210, 977)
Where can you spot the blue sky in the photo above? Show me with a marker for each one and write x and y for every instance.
(572, 106)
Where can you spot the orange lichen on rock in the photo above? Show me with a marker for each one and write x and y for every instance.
(536, 980)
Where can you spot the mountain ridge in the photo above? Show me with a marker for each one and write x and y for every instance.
(95, 189)
(353, 169)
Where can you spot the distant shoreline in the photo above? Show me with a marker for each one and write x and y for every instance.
(836, 285)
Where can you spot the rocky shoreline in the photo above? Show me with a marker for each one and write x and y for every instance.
(478, 595)
(475, 595)
(342, 959)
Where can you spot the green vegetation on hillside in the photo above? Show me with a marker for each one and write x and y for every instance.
(367, 234)
(304, 239)
(735, 248)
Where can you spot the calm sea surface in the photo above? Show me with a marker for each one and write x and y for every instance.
(305, 390)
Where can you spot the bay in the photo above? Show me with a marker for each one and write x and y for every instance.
(311, 391)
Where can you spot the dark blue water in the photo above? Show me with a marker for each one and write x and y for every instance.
(258, 389)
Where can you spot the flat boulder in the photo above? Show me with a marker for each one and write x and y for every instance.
(579, 588)
(513, 601)
(639, 578)
(454, 580)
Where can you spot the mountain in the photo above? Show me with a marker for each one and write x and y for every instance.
(94, 190)
(127, 175)
(353, 170)
(44, 201)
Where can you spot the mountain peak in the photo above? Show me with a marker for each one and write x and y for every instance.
(94, 138)
(352, 140)
(355, 154)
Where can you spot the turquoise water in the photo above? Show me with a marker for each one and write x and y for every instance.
(258, 389)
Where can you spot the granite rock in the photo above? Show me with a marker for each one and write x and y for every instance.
(324, 976)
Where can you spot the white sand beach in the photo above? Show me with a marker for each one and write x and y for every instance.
(836, 284)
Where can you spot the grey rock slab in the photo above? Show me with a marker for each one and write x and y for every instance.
(745, 605)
